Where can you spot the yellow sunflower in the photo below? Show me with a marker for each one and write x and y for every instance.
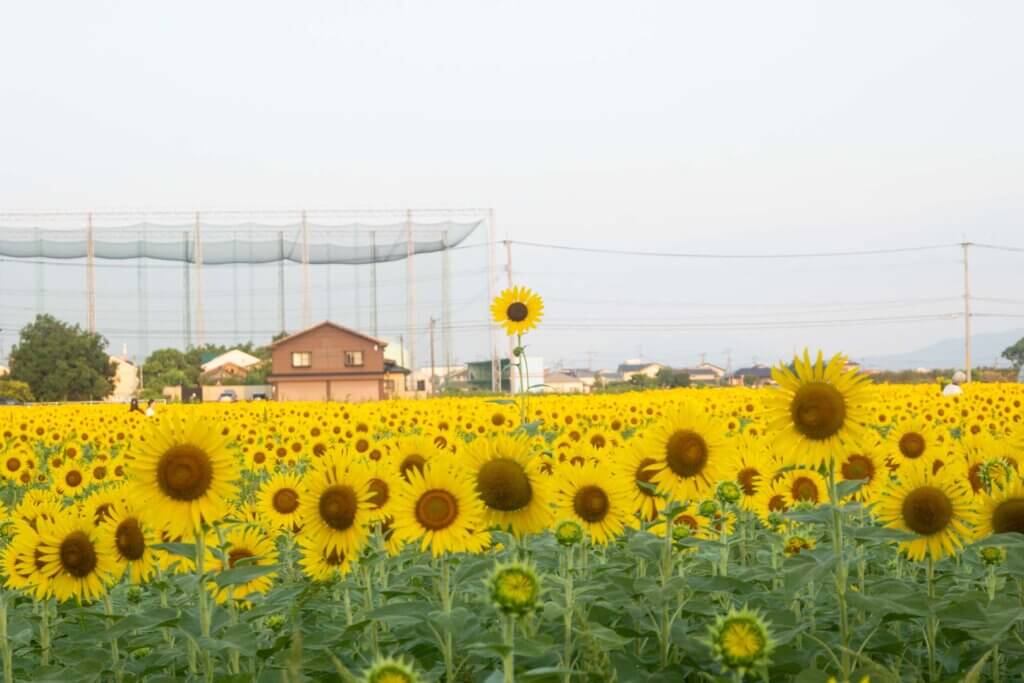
(752, 464)
(634, 465)
(817, 407)
(439, 508)
(413, 453)
(596, 498)
(335, 507)
(278, 501)
(74, 560)
(507, 476)
(248, 544)
(320, 563)
(183, 475)
(935, 507)
(129, 539)
(22, 566)
(384, 481)
(691, 450)
(860, 462)
(1001, 511)
(803, 485)
(518, 309)
(913, 440)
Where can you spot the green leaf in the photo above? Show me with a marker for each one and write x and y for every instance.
(243, 574)
(849, 487)
(183, 549)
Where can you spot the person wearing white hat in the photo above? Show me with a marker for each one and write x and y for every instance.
(953, 388)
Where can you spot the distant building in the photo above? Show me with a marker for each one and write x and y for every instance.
(630, 368)
(563, 383)
(588, 377)
(755, 375)
(126, 380)
(4, 371)
(229, 367)
(328, 362)
(705, 373)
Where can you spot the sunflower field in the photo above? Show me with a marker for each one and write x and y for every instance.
(825, 529)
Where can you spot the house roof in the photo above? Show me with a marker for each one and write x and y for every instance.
(327, 323)
(633, 367)
(754, 371)
(560, 378)
(234, 356)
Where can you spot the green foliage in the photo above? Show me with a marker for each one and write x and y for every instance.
(62, 362)
(19, 391)
(670, 379)
(171, 367)
(1015, 353)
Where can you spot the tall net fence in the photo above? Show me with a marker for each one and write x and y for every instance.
(419, 279)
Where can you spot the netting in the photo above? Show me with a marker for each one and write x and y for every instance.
(247, 243)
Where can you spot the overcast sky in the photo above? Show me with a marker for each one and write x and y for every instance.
(678, 126)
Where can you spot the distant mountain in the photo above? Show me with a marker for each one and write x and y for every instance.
(949, 353)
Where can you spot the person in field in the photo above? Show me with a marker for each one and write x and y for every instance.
(953, 388)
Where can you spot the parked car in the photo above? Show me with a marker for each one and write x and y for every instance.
(228, 396)
(1020, 374)
(4, 401)
(259, 396)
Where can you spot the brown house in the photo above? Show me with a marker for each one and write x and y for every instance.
(328, 362)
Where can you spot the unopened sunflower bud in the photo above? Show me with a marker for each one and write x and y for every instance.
(709, 508)
(514, 588)
(993, 555)
(568, 532)
(728, 492)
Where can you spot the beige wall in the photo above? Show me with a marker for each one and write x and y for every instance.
(314, 390)
(344, 390)
(355, 390)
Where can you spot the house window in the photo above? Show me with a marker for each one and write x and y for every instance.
(302, 359)
(354, 358)
(421, 385)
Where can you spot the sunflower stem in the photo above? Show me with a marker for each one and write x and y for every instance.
(447, 650)
(204, 606)
(368, 602)
(932, 623)
(508, 657)
(5, 644)
(44, 633)
(348, 605)
(114, 654)
(841, 571)
(723, 539)
(664, 638)
(570, 608)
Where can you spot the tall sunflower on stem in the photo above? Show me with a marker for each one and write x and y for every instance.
(818, 408)
(518, 310)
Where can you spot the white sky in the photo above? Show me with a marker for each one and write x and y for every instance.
(685, 126)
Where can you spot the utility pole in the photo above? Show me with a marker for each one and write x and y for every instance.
(433, 372)
(200, 323)
(967, 314)
(703, 355)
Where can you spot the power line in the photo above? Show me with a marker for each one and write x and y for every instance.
(697, 255)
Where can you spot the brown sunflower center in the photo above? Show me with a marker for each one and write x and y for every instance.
(591, 503)
(517, 311)
(413, 461)
(688, 520)
(380, 493)
(437, 509)
(1009, 516)
(236, 554)
(335, 558)
(77, 554)
(285, 501)
(645, 475)
(503, 485)
(686, 453)
(974, 476)
(804, 488)
(497, 419)
(13, 464)
(131, 543)
(858, 466)
(777, 503)
(912, 445)
(598, 441)
(745, 477)
(338, 505)
(927, 510)
(319, 449)
(184, 472)
(102, 512)
(818, 410)
(73, 478)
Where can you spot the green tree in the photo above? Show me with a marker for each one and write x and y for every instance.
(19, 391)
(62, 362)
(1015, 353)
